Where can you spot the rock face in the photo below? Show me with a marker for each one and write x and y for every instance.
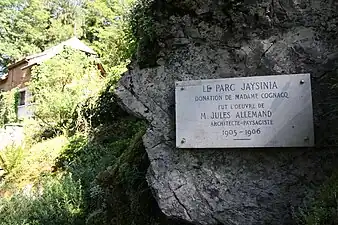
(203, 39)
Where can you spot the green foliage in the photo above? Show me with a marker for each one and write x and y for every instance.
(21, 21)
(9, 106)
(60, 85)
(22, 17)
(102, 24)
(71, 150)
(108, 167)
(57, 200)
(66, 201)
(142, 22)
(102, 109)
(102, 148)
(66, 19)
(86, 159)
(25, 164)
(35, 132)
(107, 29)
(122, 191)
(323, 209)
(31, 26)
(11, 158)
(113, 136)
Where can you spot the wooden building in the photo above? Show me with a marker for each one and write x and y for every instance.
(19, 73)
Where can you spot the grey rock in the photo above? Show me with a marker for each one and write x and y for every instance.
(228, 186)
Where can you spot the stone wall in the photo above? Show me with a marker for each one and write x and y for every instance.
(219, 39)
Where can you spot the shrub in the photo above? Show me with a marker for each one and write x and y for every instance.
(86, 158)
(24, 166)
(9, 106)
(57, 200)
(142, 22)
(60, 85)
(11, 158)
(111, 145)
(102, 109)
(323, 209)
(120, 194)
(36, 132)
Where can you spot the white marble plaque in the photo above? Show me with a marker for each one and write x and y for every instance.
(261, 111)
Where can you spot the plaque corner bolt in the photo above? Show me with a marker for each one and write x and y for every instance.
(183, 141)
(182, 88)
(306, 138)
(302, 81)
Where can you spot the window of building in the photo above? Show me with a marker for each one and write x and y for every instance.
(22, 99)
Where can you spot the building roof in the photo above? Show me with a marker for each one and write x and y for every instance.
(39, 58)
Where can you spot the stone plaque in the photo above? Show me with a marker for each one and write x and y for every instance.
(264, 111)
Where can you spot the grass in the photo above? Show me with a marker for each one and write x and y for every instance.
(59, 180)
(58, 200)
(24, 165)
